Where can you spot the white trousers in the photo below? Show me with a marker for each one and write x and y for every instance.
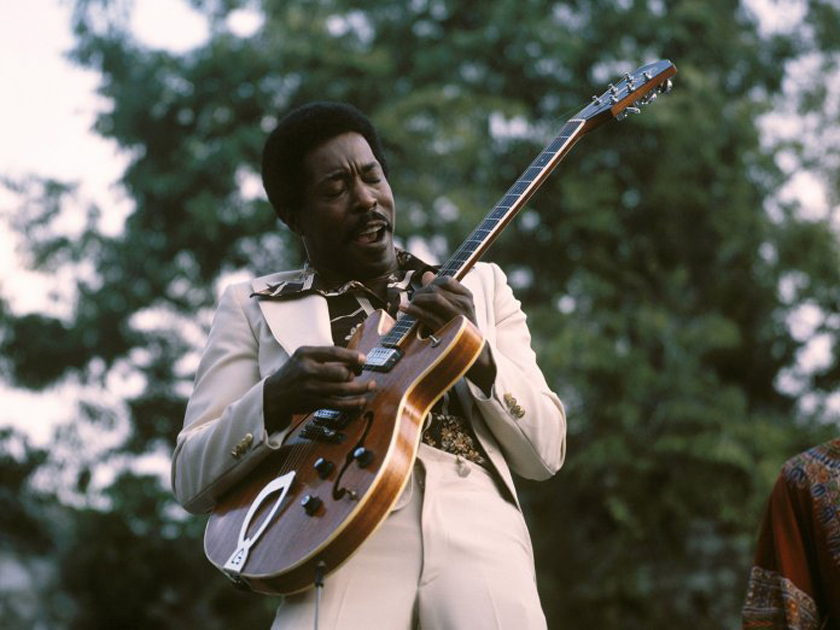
(454, 555)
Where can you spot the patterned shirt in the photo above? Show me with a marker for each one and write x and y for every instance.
(446, 427)
(795, 580)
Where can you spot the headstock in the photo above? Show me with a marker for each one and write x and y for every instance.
(629, 95)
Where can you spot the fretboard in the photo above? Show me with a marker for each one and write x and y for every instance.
(468, 253)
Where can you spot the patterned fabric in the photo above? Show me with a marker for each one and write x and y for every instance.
(453, 434)
(819, 470)
(773, 601)
(795, 582)
(350, 304)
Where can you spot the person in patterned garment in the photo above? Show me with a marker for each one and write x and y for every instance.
(795, 580)
(454, 552)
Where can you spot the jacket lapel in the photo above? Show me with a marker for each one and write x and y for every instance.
(303, 321)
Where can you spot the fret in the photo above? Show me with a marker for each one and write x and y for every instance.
(401, 328)
(452, 266)
(502, 208)
(461, 258)
(519, 187)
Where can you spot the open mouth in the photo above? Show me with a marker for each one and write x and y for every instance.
(373, 233)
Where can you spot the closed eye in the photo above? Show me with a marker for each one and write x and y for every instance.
(371, 173)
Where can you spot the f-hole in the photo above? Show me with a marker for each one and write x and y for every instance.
(339, 492)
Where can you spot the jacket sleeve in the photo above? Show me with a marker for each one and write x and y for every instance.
(224, 434)
(524, 415)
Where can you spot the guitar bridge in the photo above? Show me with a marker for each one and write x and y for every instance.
(382, 359)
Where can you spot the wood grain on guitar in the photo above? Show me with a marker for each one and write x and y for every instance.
(337, 475)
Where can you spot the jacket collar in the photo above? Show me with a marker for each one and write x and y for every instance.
(295, 308)
(304, 321)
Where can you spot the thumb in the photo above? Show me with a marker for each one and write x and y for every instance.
(428, 276)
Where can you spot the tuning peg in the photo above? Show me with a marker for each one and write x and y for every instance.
(596, 100)
(666, 86)
(647, 75)
(627, 111)
(648, 98)
(613, 89)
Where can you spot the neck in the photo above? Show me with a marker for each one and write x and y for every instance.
(378, 285)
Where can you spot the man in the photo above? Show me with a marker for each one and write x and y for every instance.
(454, 551)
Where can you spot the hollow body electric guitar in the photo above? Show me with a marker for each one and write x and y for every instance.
(306, 508)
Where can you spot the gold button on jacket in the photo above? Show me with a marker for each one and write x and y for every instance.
(242, 446)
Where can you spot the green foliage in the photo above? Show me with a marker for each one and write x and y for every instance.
(651, 266)
(20, 527)
(144, 572)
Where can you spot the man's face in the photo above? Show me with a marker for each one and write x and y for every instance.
(347, 222)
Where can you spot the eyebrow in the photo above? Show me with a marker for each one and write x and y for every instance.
(341, 173)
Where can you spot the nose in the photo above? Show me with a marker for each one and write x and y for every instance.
(364, 197)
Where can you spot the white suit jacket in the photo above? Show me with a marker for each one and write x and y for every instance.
(521, 425)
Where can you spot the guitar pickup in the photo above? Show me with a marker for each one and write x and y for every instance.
(322, 434)
(382, 359)
(330, 418)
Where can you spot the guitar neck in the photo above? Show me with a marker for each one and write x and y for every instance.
(631, 93)
(468, 253)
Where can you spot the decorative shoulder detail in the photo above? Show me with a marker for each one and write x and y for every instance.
(817, 472)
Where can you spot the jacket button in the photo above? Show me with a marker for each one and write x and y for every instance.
(240, 449)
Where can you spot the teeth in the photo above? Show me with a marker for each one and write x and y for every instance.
(372, 229)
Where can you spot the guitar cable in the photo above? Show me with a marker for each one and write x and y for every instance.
(319, 586)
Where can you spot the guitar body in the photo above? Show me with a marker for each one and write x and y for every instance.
(351, 491)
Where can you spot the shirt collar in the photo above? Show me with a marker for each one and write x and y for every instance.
(308, 281)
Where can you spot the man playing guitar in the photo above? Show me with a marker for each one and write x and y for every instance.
(454, 552)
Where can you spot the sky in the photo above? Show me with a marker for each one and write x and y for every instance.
(46, 119)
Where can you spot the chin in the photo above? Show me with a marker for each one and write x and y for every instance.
(375, 262)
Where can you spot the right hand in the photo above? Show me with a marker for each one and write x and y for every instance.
(315, 377)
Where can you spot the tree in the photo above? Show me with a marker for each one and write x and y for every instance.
(659, 270)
